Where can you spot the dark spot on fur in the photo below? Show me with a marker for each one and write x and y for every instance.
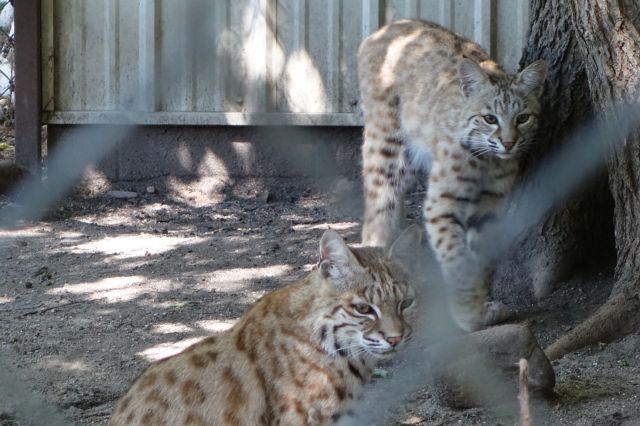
(340, 392)
(387, 153)
(467, 179)
(354, 370)
(192, 393)
(393, 141)
(235, 398)
(155, 397)
(198, 361)
(492, 194)
(170, 377)
(124, 404)
(147, 380)
(208, 341)
(240, 346)
(195, 419)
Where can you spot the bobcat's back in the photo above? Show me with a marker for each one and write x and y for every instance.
(408, 60)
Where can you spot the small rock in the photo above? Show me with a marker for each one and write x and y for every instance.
(151, 189)
(44, 274)
(122, 194)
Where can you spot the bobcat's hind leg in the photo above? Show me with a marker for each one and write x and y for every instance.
(384, 171)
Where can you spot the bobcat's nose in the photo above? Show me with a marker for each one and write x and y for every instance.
(508, 145)
(394, 340)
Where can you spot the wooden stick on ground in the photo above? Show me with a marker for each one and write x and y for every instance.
(523, 396)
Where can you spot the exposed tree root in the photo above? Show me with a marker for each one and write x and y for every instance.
(619, 315)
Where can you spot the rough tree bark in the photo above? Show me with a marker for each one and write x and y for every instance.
(602, 42)
(581, 230)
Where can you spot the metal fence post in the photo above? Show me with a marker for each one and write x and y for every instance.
(28, 92)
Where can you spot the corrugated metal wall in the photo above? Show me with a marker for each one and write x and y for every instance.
(235, 61)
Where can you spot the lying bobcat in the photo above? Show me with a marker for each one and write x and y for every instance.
(296, 357)
(435, 100)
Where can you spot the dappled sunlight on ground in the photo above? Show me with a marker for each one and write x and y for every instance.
(338, 226)
(104, 312)
(70, 237)
(215, 326)
(169, 328)
(164, 350)
(25, 232)
(68, 366)
(104, 286)
(115, 289)
(128, 246)
(236, 278)
(206, 189)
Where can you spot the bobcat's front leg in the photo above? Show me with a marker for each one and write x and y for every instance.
(445, 215)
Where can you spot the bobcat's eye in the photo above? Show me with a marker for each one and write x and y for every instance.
(363, 308)
(522, 118)
(490, 118)
(406, 304)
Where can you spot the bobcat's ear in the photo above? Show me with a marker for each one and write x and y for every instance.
(337, 263)
(531, 79)
(405, 249)
(471, 77)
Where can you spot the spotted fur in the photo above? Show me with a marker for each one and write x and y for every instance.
(433, 100)
(297, 357)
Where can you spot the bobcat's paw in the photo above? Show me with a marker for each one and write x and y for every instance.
(496, 312)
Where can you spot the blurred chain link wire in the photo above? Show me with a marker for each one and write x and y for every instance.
(582, 155)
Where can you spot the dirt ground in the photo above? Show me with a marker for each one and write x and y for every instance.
(103, 285)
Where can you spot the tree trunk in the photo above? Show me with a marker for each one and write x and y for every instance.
(554, 249)
(607, 43)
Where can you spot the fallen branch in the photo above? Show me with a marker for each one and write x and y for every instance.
(49, 308)
(523, 395)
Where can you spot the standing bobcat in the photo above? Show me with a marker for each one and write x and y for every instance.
(296, 357)
(435, 100)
